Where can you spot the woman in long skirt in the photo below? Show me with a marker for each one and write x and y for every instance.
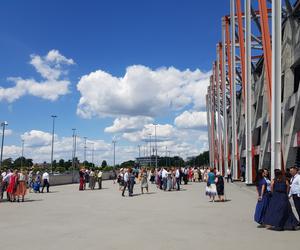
(22, 186)
(81, 179)
(169, 180)
(12, 186)
(263, 198)
(220, 186)
(211, 189)
(279, 214)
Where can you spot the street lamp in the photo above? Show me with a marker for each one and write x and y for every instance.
(52, 145)
(3, 125)
(22, 153)
(155, 146)
(84, 152)
(73, 152)
(114, 143)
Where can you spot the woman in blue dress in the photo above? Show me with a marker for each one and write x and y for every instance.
(279, 214)
(263, 197)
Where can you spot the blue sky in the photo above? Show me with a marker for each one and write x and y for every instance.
(109, 36)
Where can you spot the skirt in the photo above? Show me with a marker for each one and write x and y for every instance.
(211, 190)
(261, 208)
(21, 189)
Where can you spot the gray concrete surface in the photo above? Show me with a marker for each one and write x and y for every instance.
(102, 219)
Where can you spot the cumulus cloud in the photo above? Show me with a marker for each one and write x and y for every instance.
(164, 132)
(7, 132)
(141, 92)
(128, 124)
(191, 120)
(51, 68)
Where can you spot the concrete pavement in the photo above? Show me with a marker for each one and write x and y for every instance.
(102, 219)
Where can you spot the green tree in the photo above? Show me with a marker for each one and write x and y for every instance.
(104, 164)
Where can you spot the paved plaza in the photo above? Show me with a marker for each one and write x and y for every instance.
(102, 219)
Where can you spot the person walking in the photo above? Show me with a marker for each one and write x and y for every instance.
(12, 186)
(125, 181)
(99, 176)
(92, 180)
(229, 175)
(177, 176)
(144, 181)
(131, 181)
(169, 180)
(22, 186)
(164, 175)
(263, 197)
(81, 179)
(279, 214)
(46, 181)
(211, 185)
(295, 188)
(220, 186)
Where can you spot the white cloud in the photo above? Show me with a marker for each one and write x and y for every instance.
(164, 132)
(128, 124)
(50, 67)
(191, 120)
(141, 92)
(7, 132)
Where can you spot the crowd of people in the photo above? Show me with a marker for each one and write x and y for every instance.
(168, 179)
(17, 183)
(273, 209)
(90, 177)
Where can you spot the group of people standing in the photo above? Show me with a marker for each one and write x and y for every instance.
(91, 178)
(273, 209)
(214, 184)
(16, 183)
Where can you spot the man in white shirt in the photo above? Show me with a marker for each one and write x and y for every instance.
(100, 179)
(45, 179)
(295, 188)
(177, 176)
(229, 175)
(126, 180)
(164, 176)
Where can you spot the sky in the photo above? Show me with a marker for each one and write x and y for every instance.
(109, 68)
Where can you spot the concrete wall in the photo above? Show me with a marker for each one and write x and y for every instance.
(63, 179)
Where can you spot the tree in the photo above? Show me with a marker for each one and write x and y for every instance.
(104, 164)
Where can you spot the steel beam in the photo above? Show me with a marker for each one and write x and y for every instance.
(248, 104)
(233, 89)
(276, 88)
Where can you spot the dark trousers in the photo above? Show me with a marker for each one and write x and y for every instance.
(100, 183)
(229, 177)
(124, 188)
(178, 183)
(45, 184)
(297, 204)
(164, 180)
(130, 188)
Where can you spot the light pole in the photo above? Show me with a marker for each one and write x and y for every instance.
(150, 151)
(3, 124)
(73, 154)
(114, 143)
(84, 151)
(155, 146)
(93, 149)
(52, 144)
(22, 154)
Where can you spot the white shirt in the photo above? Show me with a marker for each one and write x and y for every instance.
(177, 174)
(295, 185)
(228, 171)
(3, 174)
(7, 177)
(45, 176)
(126, 177)
(164, 174)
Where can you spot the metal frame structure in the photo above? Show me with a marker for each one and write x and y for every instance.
(254, 89)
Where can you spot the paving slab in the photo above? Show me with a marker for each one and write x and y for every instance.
(101, 219)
